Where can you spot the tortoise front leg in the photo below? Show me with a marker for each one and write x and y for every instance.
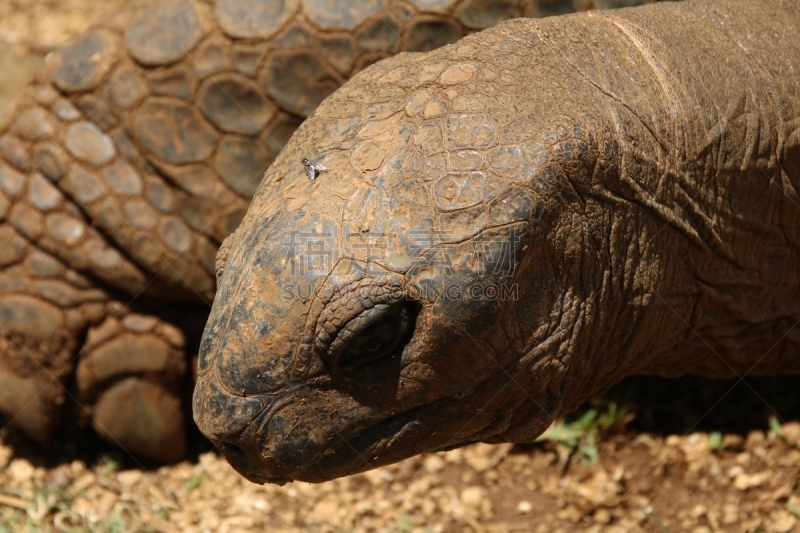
(129, 378)
(129, 369)
(45, 311)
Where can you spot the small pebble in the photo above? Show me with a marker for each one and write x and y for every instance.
(524, 507)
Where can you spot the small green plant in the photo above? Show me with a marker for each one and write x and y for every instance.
(405, 523)
(81, 529)
(794, 509)
(193, 483)
(580, 435)
(33, 528)
(716, 442)
(10, 525)
(110, 464)
(48, 499)
(777, 428)
(162, 513)
(114, 524)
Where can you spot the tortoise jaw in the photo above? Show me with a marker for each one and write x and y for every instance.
(264, 456)
(439, 425)
(323, 461)
(272, 441)
(251, 469)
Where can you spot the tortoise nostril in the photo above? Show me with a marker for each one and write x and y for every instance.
(232, 451)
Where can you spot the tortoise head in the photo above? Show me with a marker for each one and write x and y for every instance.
(372, 305)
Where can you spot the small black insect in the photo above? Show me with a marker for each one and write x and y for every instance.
(313, 169)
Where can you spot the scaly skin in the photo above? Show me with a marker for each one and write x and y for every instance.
(128, 162)
(630, 178)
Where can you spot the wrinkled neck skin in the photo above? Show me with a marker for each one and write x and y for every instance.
(478, 258)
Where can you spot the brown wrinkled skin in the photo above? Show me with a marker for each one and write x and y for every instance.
(633, 174)
(125, 165)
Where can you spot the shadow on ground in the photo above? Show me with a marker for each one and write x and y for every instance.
(690, 404)
(74, 443)
(655, 405)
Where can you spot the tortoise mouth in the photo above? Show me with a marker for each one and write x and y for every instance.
(384, 443)
(240, 461)
(438, 425)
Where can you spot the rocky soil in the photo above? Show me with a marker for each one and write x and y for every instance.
(652, 455)
(641, 481)
(692, 455)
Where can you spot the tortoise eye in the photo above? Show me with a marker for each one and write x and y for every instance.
(373, 335)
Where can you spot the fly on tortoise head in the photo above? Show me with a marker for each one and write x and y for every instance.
(313, 169)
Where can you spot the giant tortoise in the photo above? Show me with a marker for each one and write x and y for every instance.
(460, 246)
(133, 156)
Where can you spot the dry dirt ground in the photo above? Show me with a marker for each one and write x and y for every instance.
(652, 455)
